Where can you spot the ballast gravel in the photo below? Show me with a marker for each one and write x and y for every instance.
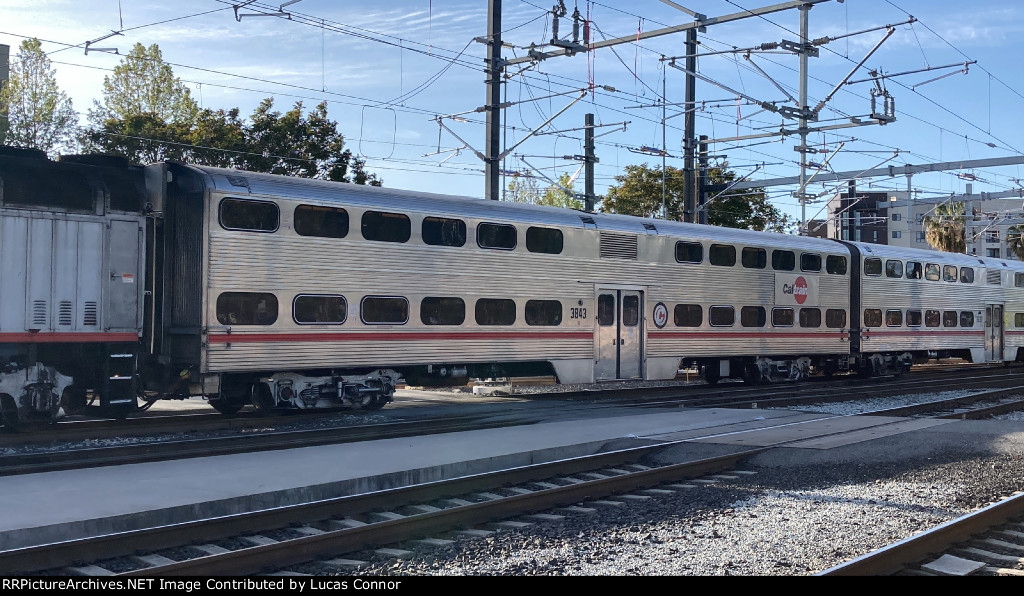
(768, 521)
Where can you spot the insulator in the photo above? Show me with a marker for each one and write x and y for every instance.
(772, 45)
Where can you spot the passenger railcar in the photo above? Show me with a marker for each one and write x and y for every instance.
(281, 292)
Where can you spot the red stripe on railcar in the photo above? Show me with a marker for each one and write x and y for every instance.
(65, 337)
(922, 333)
(223, 338)
(745, 334)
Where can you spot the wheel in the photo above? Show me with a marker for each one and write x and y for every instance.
(9, 414)
(263, 399)
(73, 399)
(752, 374)
(224, 406)
(711, 375)
(829, 369)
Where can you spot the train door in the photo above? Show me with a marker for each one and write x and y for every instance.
(619, 334)
(994, 332)
(124, 254)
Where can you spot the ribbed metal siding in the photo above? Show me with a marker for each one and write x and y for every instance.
(185, 254)
(618, 246)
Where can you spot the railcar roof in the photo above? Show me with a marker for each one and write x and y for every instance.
(239, 181)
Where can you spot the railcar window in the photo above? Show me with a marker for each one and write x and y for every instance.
(606, 310)
(913, 270)
(246, 308)
(722, 316)
(441, 231)
(894, 318)
(835, 264)
(932, 318)
(443, 310)
(384, 310)
(810, 262)
(754, 258)
(835, 318)
(630, 311)
(949, 318)
(1018, 280)
(949, 273)
(688, 315)
(873, 267)
(893, 268)
(324, 222)
(752, 316)
(931, 272)
(967, 275)
(872, 317)
(723, 255)
(783, 260)
(543, 312)
(250, 216)
(782, 317)
(497, 236)
(689, 252)
(1018, 319)
(386, 227)
(810, 317)
(323, 310)
(495, 311)
(967, 319)
(545, 240)
(913, 318)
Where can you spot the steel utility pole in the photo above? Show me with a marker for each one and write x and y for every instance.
(588, 164)
(689, 128)
(495, 67)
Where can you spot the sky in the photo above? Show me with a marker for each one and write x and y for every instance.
(389, 70)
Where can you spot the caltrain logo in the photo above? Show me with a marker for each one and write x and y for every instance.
(798, 290)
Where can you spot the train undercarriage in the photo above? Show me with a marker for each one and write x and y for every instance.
(756, 370)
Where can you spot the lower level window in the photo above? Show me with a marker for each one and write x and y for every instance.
(543, 312)
(872, 317)
(495, 311)
(722, 316)
(328, 310)
(384, 310)
(246, 308)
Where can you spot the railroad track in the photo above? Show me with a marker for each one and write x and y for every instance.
(335, 527)
(989, 541)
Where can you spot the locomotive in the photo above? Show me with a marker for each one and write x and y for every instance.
(123, 284)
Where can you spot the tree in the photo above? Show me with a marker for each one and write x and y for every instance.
(38, 114)
(640, 191)
(144, 84)
(297, 145)
(562, 195)
(522, 188)
(945, 228)
(1015, 241)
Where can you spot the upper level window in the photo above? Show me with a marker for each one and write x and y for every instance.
(967, 275)
(325, 222)
(499, 236)
(246, 308)
(754, 258)
(1018, 280)
(495, 311)
(893, 268)
(931, 272)
(249, 215)
(914, 270)
(543, 312)
(723, 255)
(689, 252)
(949, 273)
(872, 266)
(442, 311)
(441, 231)
(384, 310)
(386, 227)
(835, 264)
(783, 260)
(810, 262)
(545, 240)
(324, 310)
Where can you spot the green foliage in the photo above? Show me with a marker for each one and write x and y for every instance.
(640, 192)
(38, 114)
(522, 188)
(562, 195)
(144, 84)
(945, 228)
(1015, 241)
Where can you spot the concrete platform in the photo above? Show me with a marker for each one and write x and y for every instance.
(46, 507)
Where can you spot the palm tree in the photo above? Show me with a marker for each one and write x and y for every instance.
(944, 228)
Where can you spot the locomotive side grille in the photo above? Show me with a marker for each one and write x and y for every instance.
(89, 318)
(39, 313)
(993, 278)
(64, 314)
(618, 246)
